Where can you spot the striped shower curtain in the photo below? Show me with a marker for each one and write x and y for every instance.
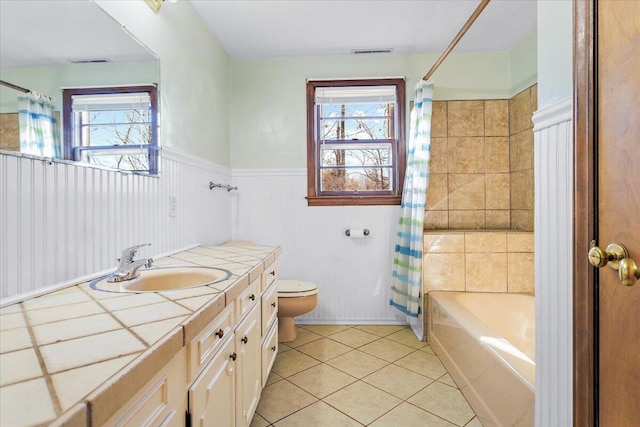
(38, 127)
(406, 281)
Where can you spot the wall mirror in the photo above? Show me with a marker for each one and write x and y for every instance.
(48, 47)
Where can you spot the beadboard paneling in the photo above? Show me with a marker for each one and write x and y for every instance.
(353, 275)
(553, 151)
(60, 222)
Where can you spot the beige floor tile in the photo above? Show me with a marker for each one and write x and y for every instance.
(423, 363)
(303, 337)
(428, 349)
(152, 332)
(282, 347)
(56, 299)
(87, 350)
(380, 330)
(446, 379)
(282, 399)
(74, 328)
(12, 321)
(362, 402)
(133, 300)
(317, 415)
(407, 415)
(324, 349)
(325, 330)
(291, 362)
(273, 378)
(54, 314)
(357, 364)
(475, 422)
(445, 402)
(258, 421)
(387, 350)
(71, 386)
(398, 381)
(407, 337)
(19, 366)
(24, 413)
(322, 380)
(151, 313)
(354, 337)
(14, 339)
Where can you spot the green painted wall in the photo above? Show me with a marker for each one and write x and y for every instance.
(523, 64)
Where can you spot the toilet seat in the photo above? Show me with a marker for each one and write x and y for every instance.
(295, 288)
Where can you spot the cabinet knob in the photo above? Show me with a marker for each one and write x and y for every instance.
(245, 340)
(233, 356)
(273, 304)
(273, 273)
(273, 348)
(252, 297)
(220, 333)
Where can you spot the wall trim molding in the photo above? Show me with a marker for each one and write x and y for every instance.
(269, 172)
(191, 160)
(553, 115)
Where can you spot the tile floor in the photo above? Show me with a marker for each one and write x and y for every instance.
(337, 375)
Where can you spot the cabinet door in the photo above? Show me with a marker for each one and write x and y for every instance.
(269, 308)
(212, 395)
(248, 371)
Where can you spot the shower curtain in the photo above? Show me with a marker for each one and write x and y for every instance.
(38, 127)
(406, 281)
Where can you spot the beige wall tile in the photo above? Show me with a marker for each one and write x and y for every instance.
(443, 272)
(439, 158)
(473, 219)
(446, 242)
(437, 193)
(522, 219)
(466, 192)
(439, 119)
(486, 272)
(521, 150)
(498, 191)
(520, 112)
(465, 118)
(485, 242)
(522, 189)
(520, 242)
(465, 154)
(436, 220)
(521, 272)
(496, 117)
(499, 219)
(496, 154)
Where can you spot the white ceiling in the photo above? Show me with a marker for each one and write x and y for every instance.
(272, 28)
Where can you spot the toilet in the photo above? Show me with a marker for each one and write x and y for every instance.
(295, 298)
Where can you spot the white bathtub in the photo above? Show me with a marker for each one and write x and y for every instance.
(487, 343)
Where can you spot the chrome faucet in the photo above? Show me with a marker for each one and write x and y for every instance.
(128, 267)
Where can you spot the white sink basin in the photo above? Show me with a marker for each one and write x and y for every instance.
(165, 279)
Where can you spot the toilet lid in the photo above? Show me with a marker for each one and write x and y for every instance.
(295, 288)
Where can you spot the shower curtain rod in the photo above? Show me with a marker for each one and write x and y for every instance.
(455, 41)
(12, 86)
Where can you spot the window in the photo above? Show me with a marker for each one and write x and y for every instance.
(355, 142)
(114, 127)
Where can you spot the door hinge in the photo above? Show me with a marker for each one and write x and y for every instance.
(187, 419)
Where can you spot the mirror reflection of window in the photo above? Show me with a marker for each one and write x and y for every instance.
(114, 127)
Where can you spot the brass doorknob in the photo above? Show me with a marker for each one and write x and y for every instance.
(610, 256)
(628, 272)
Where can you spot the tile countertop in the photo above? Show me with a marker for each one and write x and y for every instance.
(56, 349)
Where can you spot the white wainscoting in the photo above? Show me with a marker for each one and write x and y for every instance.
(61, 222)
(352, 275)
(553, 151)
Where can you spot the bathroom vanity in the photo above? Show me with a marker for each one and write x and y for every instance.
(195, 356)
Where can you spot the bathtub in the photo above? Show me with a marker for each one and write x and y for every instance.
(487, 343)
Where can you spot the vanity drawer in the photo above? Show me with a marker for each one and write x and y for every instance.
(205, 345)
(248, 299)
(269, 351)
(269, 307)
(269, 275)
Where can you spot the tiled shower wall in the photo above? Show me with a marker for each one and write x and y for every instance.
(481, 172)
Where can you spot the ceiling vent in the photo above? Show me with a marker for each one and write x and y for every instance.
(368, 51)
(89, 61)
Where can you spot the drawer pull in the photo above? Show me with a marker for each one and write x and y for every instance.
(252, 297)
(273, 273)
(220, 333)
(273, 304)
(233, 356)
(273, 348)
(245, 340)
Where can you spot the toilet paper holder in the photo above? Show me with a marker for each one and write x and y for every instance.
(347, 232)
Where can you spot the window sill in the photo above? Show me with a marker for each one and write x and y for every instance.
(353, 200)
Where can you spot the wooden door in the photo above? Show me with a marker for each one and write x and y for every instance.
(606, 323)
(618, 203)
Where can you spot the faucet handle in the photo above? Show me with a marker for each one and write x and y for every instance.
(129, 253)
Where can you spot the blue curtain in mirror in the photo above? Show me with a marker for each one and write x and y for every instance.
(38, 127)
